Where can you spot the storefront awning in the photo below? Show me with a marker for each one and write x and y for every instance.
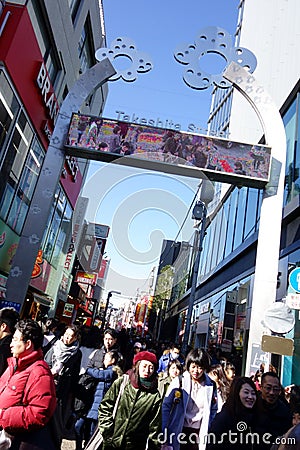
(42, 299)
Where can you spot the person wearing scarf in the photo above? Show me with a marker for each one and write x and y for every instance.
(64, 359)
(136, 424)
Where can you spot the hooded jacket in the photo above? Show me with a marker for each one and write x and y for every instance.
(27, 393)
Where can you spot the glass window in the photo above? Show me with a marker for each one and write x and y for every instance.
(58, 229)
(45, 41)
(16, 153)
(74, 6)
(231, 222)
(222, 241)
(85, 47)
(21, 162)
(21, 142)
(63, 234)
(203, 256)
(23, 194)
(251, 212)
(212, 244)
(32, 169)
(9, 107)
(216, 246)
(289, 120)
(239, 222)
(54, 224)
(297, 154)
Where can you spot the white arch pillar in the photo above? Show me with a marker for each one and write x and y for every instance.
(268, 245)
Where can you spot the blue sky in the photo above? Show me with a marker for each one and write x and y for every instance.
(142, 208)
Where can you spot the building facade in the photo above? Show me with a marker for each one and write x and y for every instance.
(44, 48)
(222, 310)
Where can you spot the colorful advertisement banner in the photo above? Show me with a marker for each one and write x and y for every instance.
(168, 150)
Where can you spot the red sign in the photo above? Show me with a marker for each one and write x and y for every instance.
(20, 52)
(103, 269)
(86, 278)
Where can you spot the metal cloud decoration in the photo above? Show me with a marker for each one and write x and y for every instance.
(212, 40)
(123, 46)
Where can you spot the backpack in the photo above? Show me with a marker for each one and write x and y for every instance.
(84, 394)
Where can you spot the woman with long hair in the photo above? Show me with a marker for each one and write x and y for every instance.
(234, 426)
(216, 373)
(136, 423)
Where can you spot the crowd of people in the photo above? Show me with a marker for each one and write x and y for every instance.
(133, 394)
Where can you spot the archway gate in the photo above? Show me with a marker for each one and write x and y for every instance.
(266, 269)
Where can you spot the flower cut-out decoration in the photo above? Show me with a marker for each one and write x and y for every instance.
(125, 47)
(212, 40)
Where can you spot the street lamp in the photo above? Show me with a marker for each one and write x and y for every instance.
(199, 213)
(110, 293)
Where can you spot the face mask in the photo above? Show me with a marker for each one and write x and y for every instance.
(174, 355)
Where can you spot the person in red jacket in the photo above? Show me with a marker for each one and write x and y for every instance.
(27, 391)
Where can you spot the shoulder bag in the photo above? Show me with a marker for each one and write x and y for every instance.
(97, 439)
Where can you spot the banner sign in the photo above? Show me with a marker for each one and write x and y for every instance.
(86, 278)
(170, 151)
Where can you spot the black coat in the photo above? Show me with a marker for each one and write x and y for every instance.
(230, 432)
(67, 380)
(274, 419)
(4, 352)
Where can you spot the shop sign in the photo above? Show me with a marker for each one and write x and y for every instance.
(86, 278)
(98, 230)
(71, 165)
(8, 246)
(277, 345)
(47, 92)
(204, 308)
(68, 310)
(103, 268)
(77, 222)
(293, 300)
(226, 345)
(37, 269)
(3, 281)
(7, 304)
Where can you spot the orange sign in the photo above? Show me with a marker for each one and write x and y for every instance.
(37, 270)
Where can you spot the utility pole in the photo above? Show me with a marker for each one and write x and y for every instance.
(109, 295)
(199, 213)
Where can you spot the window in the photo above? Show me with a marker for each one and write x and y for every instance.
(251, 212)
(22, 157)
(74, 7)
(9, 107)
(231, 222)
(86, 48)
(239, 222)
(58, 228)
(19, 189)
(45, 41)
(291, 171)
